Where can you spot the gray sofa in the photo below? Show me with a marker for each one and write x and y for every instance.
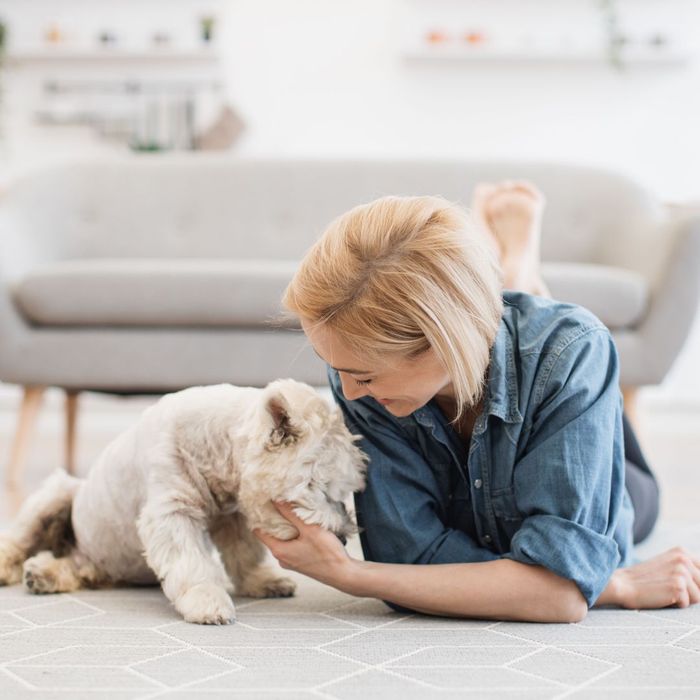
(153, 273)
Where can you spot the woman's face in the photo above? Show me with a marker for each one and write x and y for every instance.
(400, 385)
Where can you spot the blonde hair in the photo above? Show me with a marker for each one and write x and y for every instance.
(400, 275)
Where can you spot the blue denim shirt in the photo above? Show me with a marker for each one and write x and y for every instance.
(542, 481)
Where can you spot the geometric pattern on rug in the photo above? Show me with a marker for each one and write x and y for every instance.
(130, 643)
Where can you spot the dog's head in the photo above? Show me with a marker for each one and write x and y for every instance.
(308, 455)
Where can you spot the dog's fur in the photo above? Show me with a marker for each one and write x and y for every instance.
(201, 466)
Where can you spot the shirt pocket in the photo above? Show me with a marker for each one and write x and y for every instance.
(508, 517)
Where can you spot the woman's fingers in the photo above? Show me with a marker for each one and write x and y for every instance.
(692, 584)
(268, 540)
(287, 510)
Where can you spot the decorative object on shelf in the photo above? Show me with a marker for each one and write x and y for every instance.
(107, 38)
(207, 25)
(3, 40)
(436, 36)
(616, 40)
(146, 114)
(160, 39)
(475, 38)
(459, 33)
(53, 34)
(658, 41)
(223, 133)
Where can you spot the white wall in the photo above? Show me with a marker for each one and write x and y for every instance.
(327, 77)
(315, 76)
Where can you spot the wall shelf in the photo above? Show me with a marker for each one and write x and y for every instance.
(660, 57)
(110, 54)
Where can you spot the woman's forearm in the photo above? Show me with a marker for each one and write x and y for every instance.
(501, 589)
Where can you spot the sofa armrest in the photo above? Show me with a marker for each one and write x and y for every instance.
(13, 327)
(674, 302)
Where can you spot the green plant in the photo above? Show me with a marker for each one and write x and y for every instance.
(615, 38)
(3, 34)
(3, 38)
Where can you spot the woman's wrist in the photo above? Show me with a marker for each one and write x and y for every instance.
(349, 577)
(616, 592)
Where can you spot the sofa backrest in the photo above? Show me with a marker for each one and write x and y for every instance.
(221, 206)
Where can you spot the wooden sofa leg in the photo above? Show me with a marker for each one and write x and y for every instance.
(28, 412)
(71, 421)
(629, 399)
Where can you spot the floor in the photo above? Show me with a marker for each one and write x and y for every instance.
(129, 643)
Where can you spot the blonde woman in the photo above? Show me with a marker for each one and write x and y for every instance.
(503, 481)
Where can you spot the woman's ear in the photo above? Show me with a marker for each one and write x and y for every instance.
(283, 432)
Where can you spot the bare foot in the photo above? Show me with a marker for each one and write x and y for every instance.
(511, 214)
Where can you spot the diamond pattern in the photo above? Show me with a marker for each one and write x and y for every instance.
(130, 643)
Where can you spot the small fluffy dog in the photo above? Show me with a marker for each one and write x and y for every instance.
(201, 466)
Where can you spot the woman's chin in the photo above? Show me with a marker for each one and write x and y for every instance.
(399, 408)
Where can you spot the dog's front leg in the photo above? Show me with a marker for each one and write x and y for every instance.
(243, 556)
(178, 549)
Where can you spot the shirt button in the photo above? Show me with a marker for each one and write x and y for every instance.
(477, 483)
(487, 538)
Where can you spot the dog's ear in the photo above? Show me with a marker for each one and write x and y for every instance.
(284, 432)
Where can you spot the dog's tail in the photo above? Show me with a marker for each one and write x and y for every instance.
(43, 523)
(44, 520)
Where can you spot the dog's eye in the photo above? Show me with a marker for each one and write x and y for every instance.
(362, 382)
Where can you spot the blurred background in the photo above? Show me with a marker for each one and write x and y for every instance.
(608, 83)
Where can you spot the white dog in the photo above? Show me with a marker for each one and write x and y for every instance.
(202, 466)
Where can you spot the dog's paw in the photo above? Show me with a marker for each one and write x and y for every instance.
(206, 604)
(272, 587)
(11, 558)
(38, 574)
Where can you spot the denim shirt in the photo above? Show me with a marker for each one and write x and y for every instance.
(542, 480)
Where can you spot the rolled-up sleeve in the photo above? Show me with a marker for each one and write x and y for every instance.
(400, 513)
(569, 483)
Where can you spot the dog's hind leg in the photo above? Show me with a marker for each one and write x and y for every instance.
(243, 556)
(45, 573)
(43, 523)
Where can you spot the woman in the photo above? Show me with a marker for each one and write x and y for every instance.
(500, 468)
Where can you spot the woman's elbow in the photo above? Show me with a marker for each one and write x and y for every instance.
(570, 607)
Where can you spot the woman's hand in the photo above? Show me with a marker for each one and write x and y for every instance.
(316, 552)
(671, 578)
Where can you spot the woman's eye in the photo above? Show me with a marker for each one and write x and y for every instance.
(362, 382)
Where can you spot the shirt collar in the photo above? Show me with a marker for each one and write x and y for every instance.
(501, 398)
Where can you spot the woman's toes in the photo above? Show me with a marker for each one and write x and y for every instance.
(529, 188)
(514, 210)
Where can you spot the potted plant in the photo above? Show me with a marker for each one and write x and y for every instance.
(3, 37)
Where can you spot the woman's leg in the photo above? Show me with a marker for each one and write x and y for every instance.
(641, 485)
(510, 214)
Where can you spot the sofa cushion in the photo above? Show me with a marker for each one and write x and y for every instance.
(246, 293)
(618, 297)
(155, 292)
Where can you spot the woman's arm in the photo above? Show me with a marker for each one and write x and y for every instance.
(501, 589)
(498, 590)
